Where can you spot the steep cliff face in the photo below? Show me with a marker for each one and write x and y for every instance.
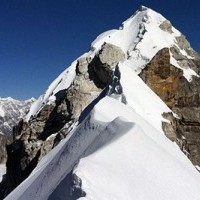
(36, 137)
(181, 95)
(162, 77)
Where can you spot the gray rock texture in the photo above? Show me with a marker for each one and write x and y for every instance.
(103, 64)
(166, 26)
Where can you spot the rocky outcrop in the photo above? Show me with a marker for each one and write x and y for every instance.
(166, 26)
(101, 67)
(4, 140)
(162, 77)
(70, 187)
(180, 95)
(35, 138)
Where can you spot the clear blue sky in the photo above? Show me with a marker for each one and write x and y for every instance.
(40, 38)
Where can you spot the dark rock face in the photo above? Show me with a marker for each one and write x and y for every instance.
(106, 61)
(69, 188)
(162, 77)
(181, 96)
(35, 138)
(102, 66)
(4, 140)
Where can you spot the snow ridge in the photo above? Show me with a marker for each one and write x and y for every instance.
(115, 149)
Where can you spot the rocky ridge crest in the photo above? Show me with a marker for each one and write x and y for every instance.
(35, 138)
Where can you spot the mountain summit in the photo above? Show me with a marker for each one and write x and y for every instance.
(103, 128)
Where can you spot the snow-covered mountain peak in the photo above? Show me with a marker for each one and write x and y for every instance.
(140, 37)
(127, 36)
(113, 105)
(145, 14)
(147, 28)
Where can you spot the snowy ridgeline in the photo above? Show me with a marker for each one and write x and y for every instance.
(122, 156)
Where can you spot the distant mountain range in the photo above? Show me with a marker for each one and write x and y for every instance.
(11, 111)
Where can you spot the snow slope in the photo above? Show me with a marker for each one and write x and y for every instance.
(141, 98)
(2, 112)
(139, 163)
(2, 170)
(123, 157)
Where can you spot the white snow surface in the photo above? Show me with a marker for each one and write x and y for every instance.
(2, 171)
(119, 151)
(139, 163)
(2, 113)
